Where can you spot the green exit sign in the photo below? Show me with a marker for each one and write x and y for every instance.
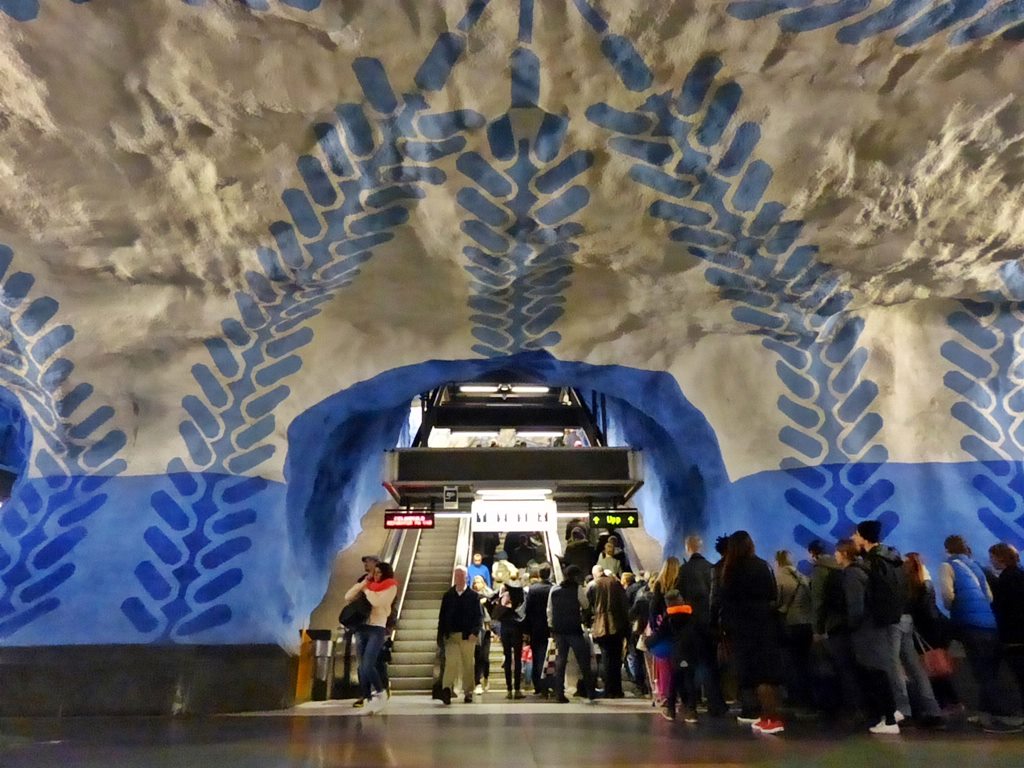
(625, 518)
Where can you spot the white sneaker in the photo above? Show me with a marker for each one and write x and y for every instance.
(884, 729)
(478, 690)
(376, 703)
(899, 717)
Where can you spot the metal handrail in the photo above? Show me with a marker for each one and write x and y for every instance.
(631, 554)
(463, 544)
(553, 556)
(404, 589)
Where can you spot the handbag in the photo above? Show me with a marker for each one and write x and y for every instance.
(356, 613)
(937, 662)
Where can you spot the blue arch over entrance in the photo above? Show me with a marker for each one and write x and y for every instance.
(336, 448)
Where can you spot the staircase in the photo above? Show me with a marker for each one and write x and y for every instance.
(412, 659)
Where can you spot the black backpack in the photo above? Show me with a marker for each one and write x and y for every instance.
(833, 599)
(885, 603)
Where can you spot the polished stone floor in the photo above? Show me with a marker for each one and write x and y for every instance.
(415, 732)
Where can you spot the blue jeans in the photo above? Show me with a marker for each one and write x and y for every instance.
(905, 660)
(369, 642)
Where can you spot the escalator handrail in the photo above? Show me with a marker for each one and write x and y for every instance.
(404, 581)
(462, 545)
(632, 556)
(555, 559)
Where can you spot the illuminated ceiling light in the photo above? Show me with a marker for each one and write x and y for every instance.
(530, 389)
(538, 434)
(478, 389)
(513, 493)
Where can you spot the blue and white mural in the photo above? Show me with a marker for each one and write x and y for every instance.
(500, 156)
(910, 22)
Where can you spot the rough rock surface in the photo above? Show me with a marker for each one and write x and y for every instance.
(220, 217)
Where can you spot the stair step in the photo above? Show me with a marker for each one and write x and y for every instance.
(412, 684)
(419, 613)
(415, 623)
(399, 671)
(425, 635)
(401, 658)
(422, 603)
(410, 645)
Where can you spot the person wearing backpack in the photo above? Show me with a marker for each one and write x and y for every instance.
(888, 579)
(968, 598)
(832, 650)
(566, 605)
(869, 638)
(794, 607)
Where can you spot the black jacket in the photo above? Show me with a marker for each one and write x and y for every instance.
(460, 614)
(567, 601)
(694, 585)
(580, 554)
(1008, 606)
(749, 598)
(537, 608)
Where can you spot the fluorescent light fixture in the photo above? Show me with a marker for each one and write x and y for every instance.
(514, 493)
(538, 433)
(478, 389)
(530, 389)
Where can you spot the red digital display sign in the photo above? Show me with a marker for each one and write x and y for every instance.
(402, 519)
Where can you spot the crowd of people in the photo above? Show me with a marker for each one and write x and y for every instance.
(859, 638)
(854, 634)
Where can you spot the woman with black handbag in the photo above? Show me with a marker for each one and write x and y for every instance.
(379, 592)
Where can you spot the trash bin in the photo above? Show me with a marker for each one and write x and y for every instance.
(323, 663)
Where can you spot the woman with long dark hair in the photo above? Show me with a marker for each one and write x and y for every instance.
(930, 624)
(751, 627)
(380, 590)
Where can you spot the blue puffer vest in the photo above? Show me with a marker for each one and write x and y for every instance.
(970, 601)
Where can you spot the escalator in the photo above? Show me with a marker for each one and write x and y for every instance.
(415, 639)
(545, 553)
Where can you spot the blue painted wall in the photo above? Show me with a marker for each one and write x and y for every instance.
(212, 552)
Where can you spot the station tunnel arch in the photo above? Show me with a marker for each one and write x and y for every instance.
(336, 449)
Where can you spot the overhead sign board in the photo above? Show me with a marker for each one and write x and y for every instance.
(521, 515)
(620, 518)
(451, 497)
(401, 519)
